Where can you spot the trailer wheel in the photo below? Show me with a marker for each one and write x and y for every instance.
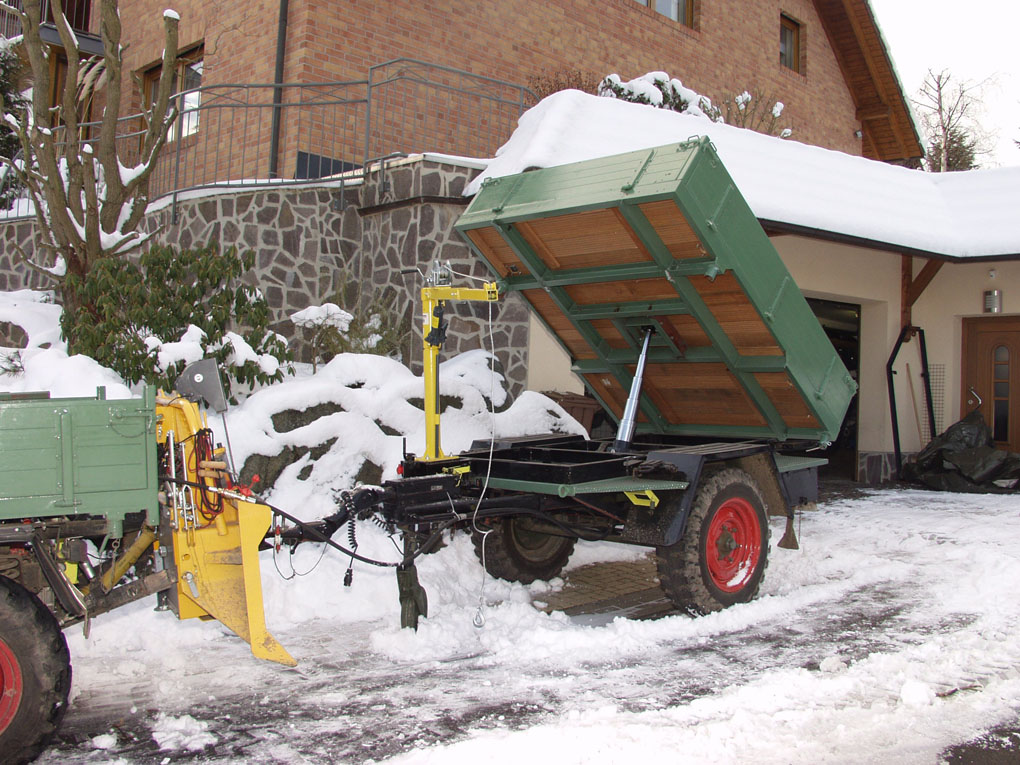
(517, 552)
(35, 674)
(721, 558)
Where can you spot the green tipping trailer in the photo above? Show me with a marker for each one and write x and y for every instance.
(680, 317)
(603, 249)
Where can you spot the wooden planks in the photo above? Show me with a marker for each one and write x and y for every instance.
(739, 319)
(583, 240)
(673, 229)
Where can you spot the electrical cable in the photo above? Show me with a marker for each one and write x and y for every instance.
(479, 618)
(294, 572)
(311, 530)
(469, 276)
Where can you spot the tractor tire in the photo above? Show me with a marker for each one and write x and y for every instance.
(35, 674)
(514, 551)
(722, 556)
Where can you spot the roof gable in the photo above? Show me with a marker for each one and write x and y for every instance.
(890, 133)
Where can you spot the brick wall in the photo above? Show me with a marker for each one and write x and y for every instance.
(735, 45)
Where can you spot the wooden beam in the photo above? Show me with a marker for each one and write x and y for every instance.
(906, 277)
(923, 279)
(911, 287)
(873, 111)
(857, 12)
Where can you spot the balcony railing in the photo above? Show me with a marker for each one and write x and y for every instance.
(78, 13)
(224, 133)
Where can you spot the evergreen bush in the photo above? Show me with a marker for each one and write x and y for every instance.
(137, 313)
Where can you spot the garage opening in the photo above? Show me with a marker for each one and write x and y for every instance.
(842, 325)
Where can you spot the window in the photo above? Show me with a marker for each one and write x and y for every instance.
(678, 10)
(789, 43)
(1000, 407)
(186, 81)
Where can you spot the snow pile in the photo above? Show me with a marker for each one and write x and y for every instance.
(954, 214)
(43, 364)
(376, 407)
(184, 732)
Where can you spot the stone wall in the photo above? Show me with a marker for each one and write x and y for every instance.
(308, 240)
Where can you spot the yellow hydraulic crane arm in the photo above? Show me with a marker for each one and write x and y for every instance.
(437, 291)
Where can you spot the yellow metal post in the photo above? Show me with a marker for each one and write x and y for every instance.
(434, 297)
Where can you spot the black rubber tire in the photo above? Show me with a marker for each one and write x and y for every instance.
(517, 553)
(33, 647)
(686, 568)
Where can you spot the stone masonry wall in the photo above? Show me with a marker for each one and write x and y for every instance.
(309, 239)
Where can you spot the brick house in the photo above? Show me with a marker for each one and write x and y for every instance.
(824, 59)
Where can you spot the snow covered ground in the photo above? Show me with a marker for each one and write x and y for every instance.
(889, 636)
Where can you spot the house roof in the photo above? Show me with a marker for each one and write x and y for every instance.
(789, 185)
(887, 122)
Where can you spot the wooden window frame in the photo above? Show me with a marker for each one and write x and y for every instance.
(794, 60)
(685, 12)
(150, 78)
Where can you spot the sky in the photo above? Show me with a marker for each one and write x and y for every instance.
(976, 42)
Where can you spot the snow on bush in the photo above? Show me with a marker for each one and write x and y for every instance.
(660, 90)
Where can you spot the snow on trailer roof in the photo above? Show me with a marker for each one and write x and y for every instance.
(952, 215)
(661, 239)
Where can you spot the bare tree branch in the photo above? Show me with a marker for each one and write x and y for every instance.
(949, 109)
(85, 207)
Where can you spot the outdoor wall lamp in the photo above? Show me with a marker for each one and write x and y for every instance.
(993, 301)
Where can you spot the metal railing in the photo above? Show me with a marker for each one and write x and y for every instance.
(223, 133)
(78, 13)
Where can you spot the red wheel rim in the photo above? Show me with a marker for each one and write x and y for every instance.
(733, 545)
(11, 685)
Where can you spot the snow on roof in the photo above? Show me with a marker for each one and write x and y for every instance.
(957, 215)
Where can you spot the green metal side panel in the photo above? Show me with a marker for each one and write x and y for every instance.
(78, 456)
(663, 239)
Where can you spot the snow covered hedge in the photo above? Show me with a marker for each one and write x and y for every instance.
(660, 90)
(149, 319)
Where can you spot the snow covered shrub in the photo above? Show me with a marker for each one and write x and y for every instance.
(11, 363)
(752, 111)
(660, 90)
(148, 319)
(328, 323)
(376, 325)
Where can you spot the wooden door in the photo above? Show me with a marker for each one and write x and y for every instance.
(991, 370)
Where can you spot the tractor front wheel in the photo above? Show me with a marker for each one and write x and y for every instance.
(35, 674)
(721, 558)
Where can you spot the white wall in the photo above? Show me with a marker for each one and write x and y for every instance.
(956, 292)
(872, 280)
(548, 363)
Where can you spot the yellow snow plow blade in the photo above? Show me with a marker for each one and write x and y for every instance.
(215, 537)
(218, 575)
